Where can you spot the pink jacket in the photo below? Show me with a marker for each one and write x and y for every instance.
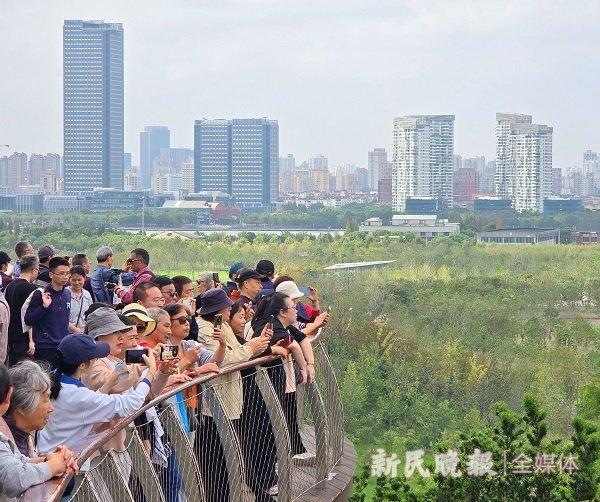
(144, 275)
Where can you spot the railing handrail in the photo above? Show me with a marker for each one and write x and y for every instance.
(87, 446)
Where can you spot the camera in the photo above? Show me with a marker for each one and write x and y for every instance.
(134, 356)
(169, 352)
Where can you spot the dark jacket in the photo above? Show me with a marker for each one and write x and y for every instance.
(50, 325)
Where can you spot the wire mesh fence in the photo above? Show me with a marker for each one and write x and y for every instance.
(257, 434)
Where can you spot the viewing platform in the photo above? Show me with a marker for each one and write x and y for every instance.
(129, 472)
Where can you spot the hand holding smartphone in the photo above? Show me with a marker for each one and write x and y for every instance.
(218, 321)
(134, 356)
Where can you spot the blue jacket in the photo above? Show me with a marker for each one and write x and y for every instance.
(104, 274)
(50, 325)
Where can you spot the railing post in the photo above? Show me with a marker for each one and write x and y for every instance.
(143, 469)
(229, 442)
(323, 465)
(333, 407)
(189, 468)
(113, 478)
(281, 433)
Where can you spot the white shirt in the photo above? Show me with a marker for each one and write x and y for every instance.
(77, 409)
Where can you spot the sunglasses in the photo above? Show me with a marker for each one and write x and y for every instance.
(172, 294)
(182, 319)
(141, 328)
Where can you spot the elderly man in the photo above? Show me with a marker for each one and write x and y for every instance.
(249, 283)
(22, 248)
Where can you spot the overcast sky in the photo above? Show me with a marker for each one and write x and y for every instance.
(333, 73)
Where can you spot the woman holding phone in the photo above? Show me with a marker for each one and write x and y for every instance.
(216, 307)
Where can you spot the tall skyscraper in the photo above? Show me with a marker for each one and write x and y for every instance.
(423, 159)
(154, 140)
(93, 105)
(523, 161)
(239, 157)
(377, 158)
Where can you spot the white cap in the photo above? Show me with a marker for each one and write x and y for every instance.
(289, 288)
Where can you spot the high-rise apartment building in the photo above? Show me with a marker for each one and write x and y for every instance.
(154, 142)
(239, 157)
(318, 162)
(423, 159)
(93, 105)
(377, 157)
(523, 161)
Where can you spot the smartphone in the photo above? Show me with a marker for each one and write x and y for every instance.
(287, 341)
(134, 356)
(168, 352)
(216, 278)
(271, 321)
(218, 321)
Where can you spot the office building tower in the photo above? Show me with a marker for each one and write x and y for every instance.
(178, 156)
(155, 141)
(377, 157)
(287, 166)
(239, 157)
(556, 181)
(93, 105)
(423, 159)
(465, 186)
(317, 162)
(523, 161)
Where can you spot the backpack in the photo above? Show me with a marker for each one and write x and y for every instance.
(25, 307)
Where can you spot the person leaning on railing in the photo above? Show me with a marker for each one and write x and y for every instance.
(78, 409)
(280, 309)
(229, 387)
(30, 405)
(17, 471)
(255, 432)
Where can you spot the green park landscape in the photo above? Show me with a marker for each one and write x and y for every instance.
(456, 345)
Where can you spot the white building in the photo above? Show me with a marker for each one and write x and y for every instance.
(423, 158)
(523, 161)
(187, 174)
(377, 159)
(425, 225)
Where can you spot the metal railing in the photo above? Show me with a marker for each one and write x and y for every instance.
(242, 434)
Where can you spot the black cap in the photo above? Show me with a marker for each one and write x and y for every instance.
(247, 273)
(265, 268)
(77, 349)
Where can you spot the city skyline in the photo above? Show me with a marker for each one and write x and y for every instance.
(311, 119)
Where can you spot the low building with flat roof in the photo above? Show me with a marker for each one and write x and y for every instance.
(424, 225)
(520, 236)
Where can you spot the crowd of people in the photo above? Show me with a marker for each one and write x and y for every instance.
(81, 348)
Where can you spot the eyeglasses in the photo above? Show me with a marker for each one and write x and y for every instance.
(130, 260)
(172, 294)
(159, 300)
(182, 319)
(61, 274)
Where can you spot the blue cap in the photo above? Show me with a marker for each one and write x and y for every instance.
(235, 268)
(77, 349)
